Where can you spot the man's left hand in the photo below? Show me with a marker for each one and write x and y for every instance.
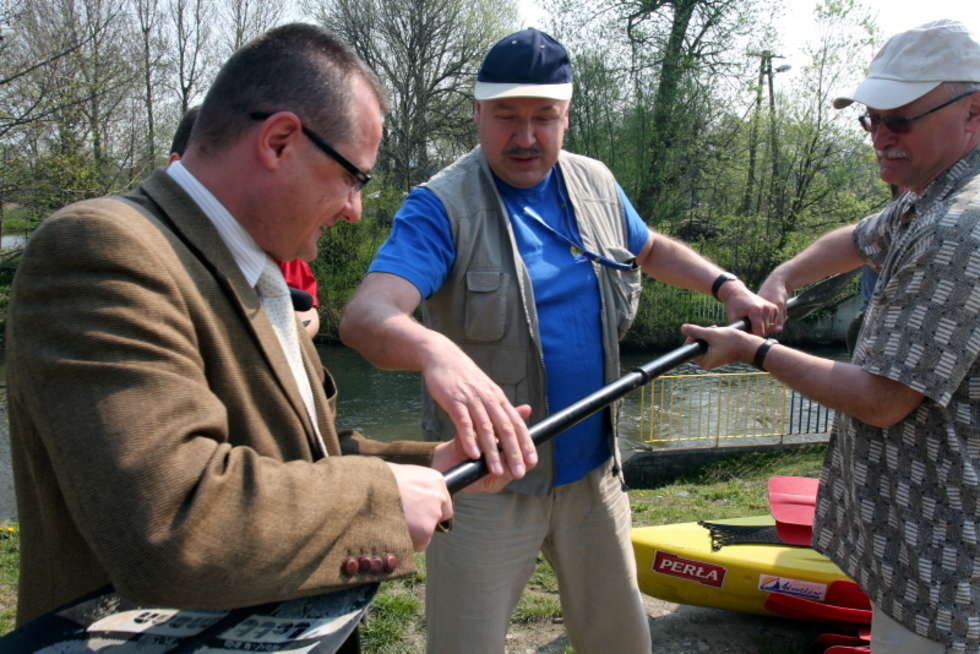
(740, 303)
(449, 454)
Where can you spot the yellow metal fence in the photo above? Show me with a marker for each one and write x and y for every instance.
(718, 407)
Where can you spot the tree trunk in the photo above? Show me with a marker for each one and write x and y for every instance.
(656, 198)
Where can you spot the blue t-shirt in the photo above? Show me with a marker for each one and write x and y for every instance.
(420, 249)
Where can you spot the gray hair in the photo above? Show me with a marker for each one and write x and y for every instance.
(959, 88)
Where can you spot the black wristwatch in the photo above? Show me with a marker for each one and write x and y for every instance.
(720, 280)
(759, 360)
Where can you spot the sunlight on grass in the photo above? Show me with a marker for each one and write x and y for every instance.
(394, 613)
(535, 607)
(543, 578)
(727, 488)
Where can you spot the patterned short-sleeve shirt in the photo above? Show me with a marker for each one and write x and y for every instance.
(898, 507)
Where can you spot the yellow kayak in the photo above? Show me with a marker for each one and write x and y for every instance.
(676, 563)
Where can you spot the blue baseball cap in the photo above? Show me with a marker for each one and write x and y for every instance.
(526, 64)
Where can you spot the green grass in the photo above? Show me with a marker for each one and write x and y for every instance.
(9, 566)
(394, 613)
(730, 487)
(727, 488)
(536, 607)
(543, 578)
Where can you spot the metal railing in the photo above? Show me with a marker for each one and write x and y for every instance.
(718, 407)
(672, 306)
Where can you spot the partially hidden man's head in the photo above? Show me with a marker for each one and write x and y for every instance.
(522, 93)
(922, 100)
(183, 132)
(290, 130)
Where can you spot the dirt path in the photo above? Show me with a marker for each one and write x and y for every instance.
(680, 629)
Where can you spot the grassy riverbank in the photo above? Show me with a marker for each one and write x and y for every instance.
(731, 487)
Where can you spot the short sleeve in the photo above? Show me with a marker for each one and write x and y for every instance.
(637, 232)
(875, 234)
(924, 324)
(420, 248)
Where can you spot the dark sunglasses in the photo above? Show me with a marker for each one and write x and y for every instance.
(901, 124)
(361, 178)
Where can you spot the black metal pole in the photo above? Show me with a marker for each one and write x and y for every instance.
(466, 473)
(797, 307)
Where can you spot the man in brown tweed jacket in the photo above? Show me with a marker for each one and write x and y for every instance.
(160, 439)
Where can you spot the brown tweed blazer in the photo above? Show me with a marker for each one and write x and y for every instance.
(159, 441)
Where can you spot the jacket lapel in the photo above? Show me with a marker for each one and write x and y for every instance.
(195, 229)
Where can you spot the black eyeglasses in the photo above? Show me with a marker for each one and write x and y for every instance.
(901, 124)
(361, 178)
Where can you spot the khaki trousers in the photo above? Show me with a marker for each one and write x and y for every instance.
(889, 636)
(475, 574)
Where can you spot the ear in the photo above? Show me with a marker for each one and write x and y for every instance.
(973, 111)
(276, 138)
(476, 111)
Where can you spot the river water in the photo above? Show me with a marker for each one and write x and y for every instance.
(384, 405)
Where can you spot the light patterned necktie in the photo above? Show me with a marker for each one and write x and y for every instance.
(278, 305)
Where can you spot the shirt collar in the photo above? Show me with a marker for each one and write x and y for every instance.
(251, 259)
(532, 195)
(948, 182)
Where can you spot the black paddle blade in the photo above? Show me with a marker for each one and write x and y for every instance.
(723, 534)
(825, 293)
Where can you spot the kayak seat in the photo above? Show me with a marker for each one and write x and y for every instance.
(793, 503)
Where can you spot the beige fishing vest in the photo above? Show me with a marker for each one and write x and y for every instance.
(486, 304)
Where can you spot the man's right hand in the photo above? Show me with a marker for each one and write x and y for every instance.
(449, 454)
(425, 501)
(776, 291)
(485, 420)
(834, 252)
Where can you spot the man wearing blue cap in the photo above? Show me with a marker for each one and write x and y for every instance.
(899, 502)
(528, 259)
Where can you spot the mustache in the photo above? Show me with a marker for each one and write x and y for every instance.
(522, 152)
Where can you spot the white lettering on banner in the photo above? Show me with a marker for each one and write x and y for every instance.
(811, 590)
(159, 622)
(699, 571)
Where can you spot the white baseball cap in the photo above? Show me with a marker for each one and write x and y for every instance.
(914, 62)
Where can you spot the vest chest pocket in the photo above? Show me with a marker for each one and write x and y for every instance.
(625, 286)
(486, 308)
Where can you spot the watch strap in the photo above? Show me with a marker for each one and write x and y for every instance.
(719, 281)
(759, 359)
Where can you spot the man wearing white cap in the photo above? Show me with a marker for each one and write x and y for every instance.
(899, 501)
(528, 259)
